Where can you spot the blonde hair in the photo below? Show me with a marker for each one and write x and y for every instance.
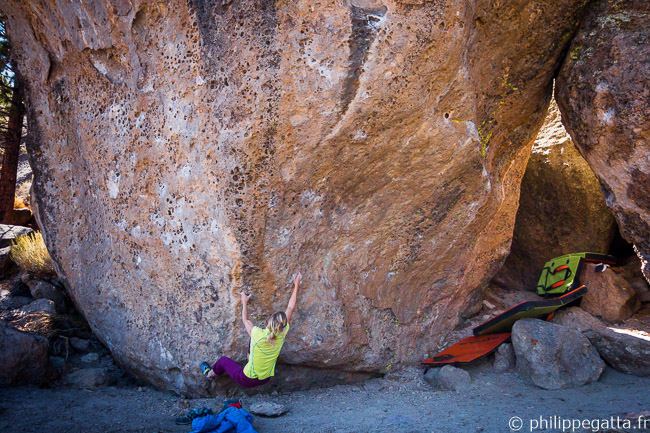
(276, 324)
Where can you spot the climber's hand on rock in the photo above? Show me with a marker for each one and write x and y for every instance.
(245, 296)
(296, 279)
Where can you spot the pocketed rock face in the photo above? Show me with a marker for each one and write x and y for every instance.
(603, 94)
(561, 209)
(186, 152)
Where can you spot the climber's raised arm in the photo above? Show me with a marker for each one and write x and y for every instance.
(244, 312)
(294, 296)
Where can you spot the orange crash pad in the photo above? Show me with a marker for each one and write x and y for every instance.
(468, 349)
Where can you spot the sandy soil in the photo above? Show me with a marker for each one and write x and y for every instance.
(402, 402)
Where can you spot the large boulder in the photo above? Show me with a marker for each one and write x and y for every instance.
(610, 297)
(602, 91)
(376, 145)
(561, 209)
(624, 349)
(23, 358)
(554, 356)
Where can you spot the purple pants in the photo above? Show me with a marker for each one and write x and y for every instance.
(236, 371)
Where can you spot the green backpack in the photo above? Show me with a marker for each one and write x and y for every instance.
(562, 274)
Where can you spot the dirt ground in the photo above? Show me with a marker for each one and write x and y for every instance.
(401, 402)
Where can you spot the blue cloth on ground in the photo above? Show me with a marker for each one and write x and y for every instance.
(230, 420)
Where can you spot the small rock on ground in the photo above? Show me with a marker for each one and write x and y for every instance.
(58, 363)
(79, 344)
(90, 358)
(267, 408)
(448, 378)
(504, 358)
(88, 378)
(43, 289)
(40, 306)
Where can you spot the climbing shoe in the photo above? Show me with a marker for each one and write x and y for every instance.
(193, 414)
(205, 368)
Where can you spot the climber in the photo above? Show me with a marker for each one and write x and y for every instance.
(264, 346)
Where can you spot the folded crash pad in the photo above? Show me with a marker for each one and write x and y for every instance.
(468, 349)
(535, 309)
(562, 274)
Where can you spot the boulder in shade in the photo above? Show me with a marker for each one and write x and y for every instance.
(561, 209)
(631, 271)
(626, 350)
(42, 289)
(23, 358)
(610, 297)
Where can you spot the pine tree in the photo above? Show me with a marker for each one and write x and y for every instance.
(12, 112)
